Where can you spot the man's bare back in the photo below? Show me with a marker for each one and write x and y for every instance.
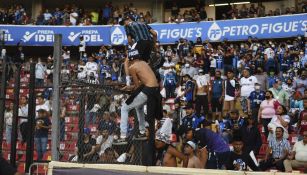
(141, 72)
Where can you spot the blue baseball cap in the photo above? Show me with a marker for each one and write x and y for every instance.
(86, 130)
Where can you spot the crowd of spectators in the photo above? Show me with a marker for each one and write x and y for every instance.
(216, 95)
(73, 15)
(110, 14)
(227, 89)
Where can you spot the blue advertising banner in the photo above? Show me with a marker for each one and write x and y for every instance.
(214, 31)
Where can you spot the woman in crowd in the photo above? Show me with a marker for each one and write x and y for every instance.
(251, 137)
(266, 111)
(281, 119)
(8, 116)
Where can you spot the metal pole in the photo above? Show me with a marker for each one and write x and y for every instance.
(2, 100)
(81, 125)
(55, 132)
(151, 122)
(15, 116)
(31, 118)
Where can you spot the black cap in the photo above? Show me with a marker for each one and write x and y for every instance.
(126, 17)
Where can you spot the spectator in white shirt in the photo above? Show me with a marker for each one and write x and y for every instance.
(23, 115)
(40, 73)
(103, 141)
(298, 156)
(47, 16)
(247, 83)
(269, 53)
(81, 71)
(8, 117)
(82, 46)
(91, 66)
(73, 17)
(66, 56)
(168, 66)
(190, 70)
(41, 105)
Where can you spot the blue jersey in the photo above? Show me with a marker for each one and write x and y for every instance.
(285, 65)
(192, 121)
(219, 62)
(217, 88)
(170, 79)
(235, 60)
(271, 81)
(189, 96)
(229, 124)
(104, 69)
(281, 54)
(256, 97)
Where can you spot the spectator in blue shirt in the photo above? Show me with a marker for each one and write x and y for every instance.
(217, 89)
(58, 15)
(219, 62)
(285, 64)
(104, 70)
(106, 14)
(271, 79)
(254, 101)
(191, 120)
(106, 122)
(232, 125)
(189, 88)
(170, 83)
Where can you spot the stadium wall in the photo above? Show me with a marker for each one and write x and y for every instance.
(152, 170)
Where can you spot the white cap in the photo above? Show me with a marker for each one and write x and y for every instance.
(187, 65)
(122, 158)
(192, 144)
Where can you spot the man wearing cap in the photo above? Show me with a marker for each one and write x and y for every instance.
(280, 94)
(42, 126)
(247, 83)
(189, 150)
(142, 34)
(191, 120)
(254, 101)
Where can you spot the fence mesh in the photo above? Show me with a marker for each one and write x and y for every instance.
(89, 121)
(96, 109)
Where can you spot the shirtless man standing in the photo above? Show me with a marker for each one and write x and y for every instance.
(145, 86)
(201, 93)
(189, 150)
